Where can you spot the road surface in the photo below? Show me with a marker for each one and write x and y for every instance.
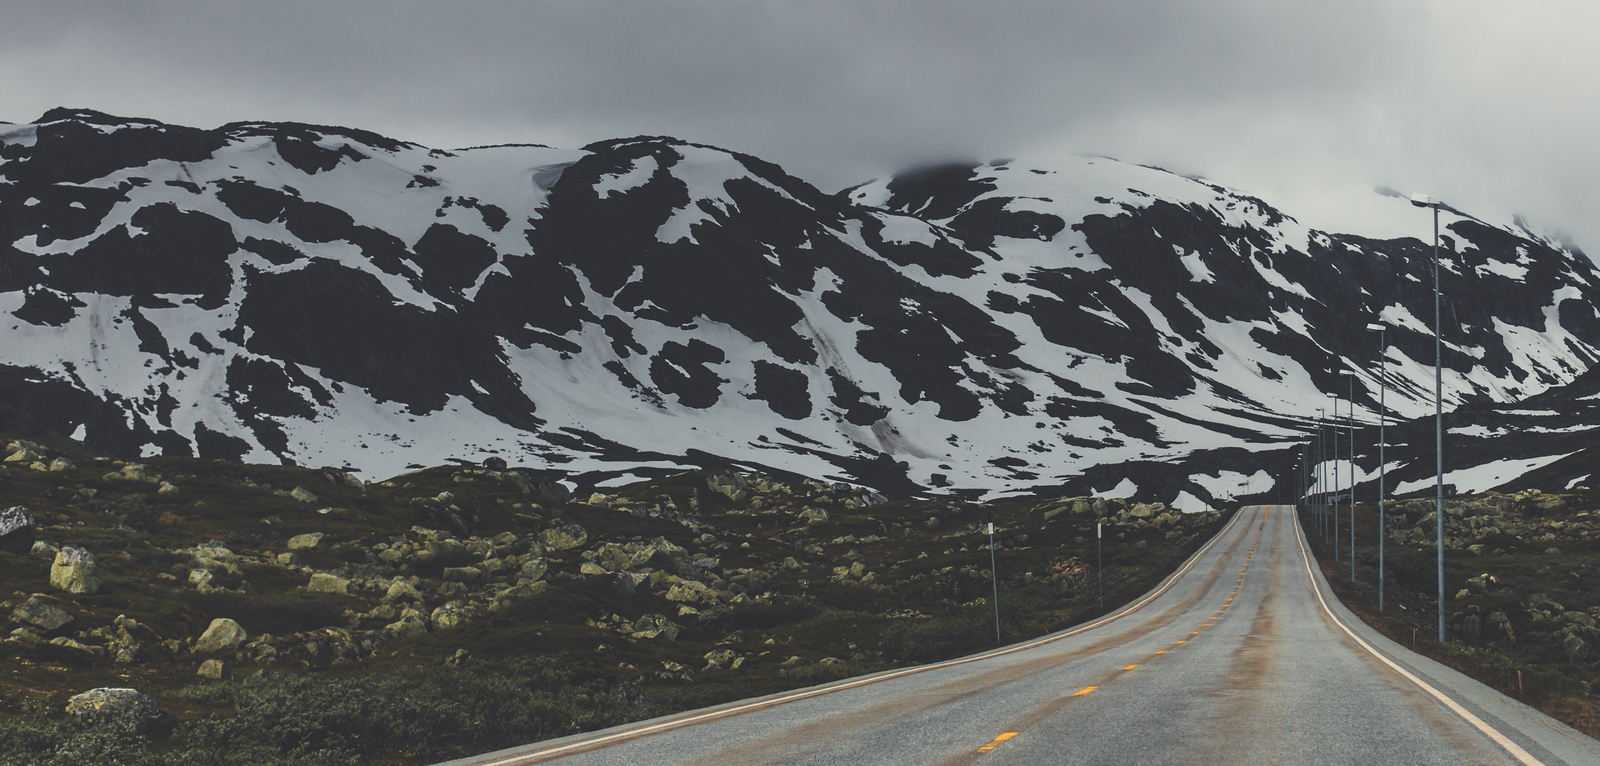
(1243, 656)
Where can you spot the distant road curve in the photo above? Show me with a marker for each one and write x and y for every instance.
(1242, 656)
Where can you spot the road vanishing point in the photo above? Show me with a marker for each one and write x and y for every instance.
(1241, 656)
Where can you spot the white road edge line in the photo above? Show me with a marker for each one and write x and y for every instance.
(1502, 740)
(1171, 580)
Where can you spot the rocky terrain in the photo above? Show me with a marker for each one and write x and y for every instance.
(189, 580)
(1522, 609)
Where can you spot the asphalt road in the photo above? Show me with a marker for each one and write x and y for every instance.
(1243, 656)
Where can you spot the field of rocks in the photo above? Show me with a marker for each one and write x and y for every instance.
(176, 610)
(1522, 590)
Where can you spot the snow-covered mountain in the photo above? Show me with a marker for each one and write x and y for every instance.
(317, 295)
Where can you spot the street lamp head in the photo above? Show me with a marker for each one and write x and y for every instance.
(1423, 200)
(1375, 327)
(1346, 372)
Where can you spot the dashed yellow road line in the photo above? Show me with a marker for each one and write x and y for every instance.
(1131, 667)
(1084, 690)
(994, 743)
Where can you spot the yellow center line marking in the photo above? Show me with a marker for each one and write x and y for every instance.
(1084, 690)
(1183, 640)
(1163, 651)
(994, 743)
(1196, 633)
(1131, 667)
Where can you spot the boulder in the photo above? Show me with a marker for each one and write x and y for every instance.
(449, 616)
(517, 593)
(322, 582)
(814, 516)
(41, 614)
(495, 463)
(215, 670)
(411, 623)
(74, 571)
(729, 485)
(17, 529)
(400, 591)
(133, 472)
(533, 569)
(223, 635)
(107, 705)
(654, 625)
(303, 495)
(462, 574)
(62, 464)
(564, 538)
(166, 489)
(1575, 647)
(628, 582)
(309, 541)
(719, 658)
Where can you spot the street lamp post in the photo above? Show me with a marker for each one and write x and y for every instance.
(1336, 487)
(1383, 387)
(1322, 472)
(1423, 200)
(1350, 422)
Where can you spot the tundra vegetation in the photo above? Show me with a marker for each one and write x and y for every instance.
(1522, 590)
(178, 610)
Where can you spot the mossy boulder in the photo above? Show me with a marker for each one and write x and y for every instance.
(106, 705)
(74, 571)
(223, 635)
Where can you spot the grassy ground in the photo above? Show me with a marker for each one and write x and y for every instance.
(325, 677)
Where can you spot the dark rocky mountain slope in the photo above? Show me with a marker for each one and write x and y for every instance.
(327, 296)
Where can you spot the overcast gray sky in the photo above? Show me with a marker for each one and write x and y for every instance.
(1490, 105)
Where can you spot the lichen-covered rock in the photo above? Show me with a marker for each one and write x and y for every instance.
(322, 582)
(62, 464)
(223, 635)
(303, 495)
(411, 623)
(106, 705)
(449, 616)
(517, 593)
(462, 574)
(17, 530)
(1575, 647)
(814, 516)
(41, 614)
(214, 669)
(309, 541)
(402, 591)
(564, 538)
(74, 571)
(654, 625)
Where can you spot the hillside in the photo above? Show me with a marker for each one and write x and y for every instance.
(459, 609)
(312, 295)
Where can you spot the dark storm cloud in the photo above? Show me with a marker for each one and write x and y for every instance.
(1302, 103)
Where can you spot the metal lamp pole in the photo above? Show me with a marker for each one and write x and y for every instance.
(1321, 470)
(1350, 422)
(1336, 486)
(1423, 200)
(1383, 387)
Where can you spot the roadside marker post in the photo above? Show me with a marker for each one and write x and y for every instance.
(1099, 563)
(994, 579)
